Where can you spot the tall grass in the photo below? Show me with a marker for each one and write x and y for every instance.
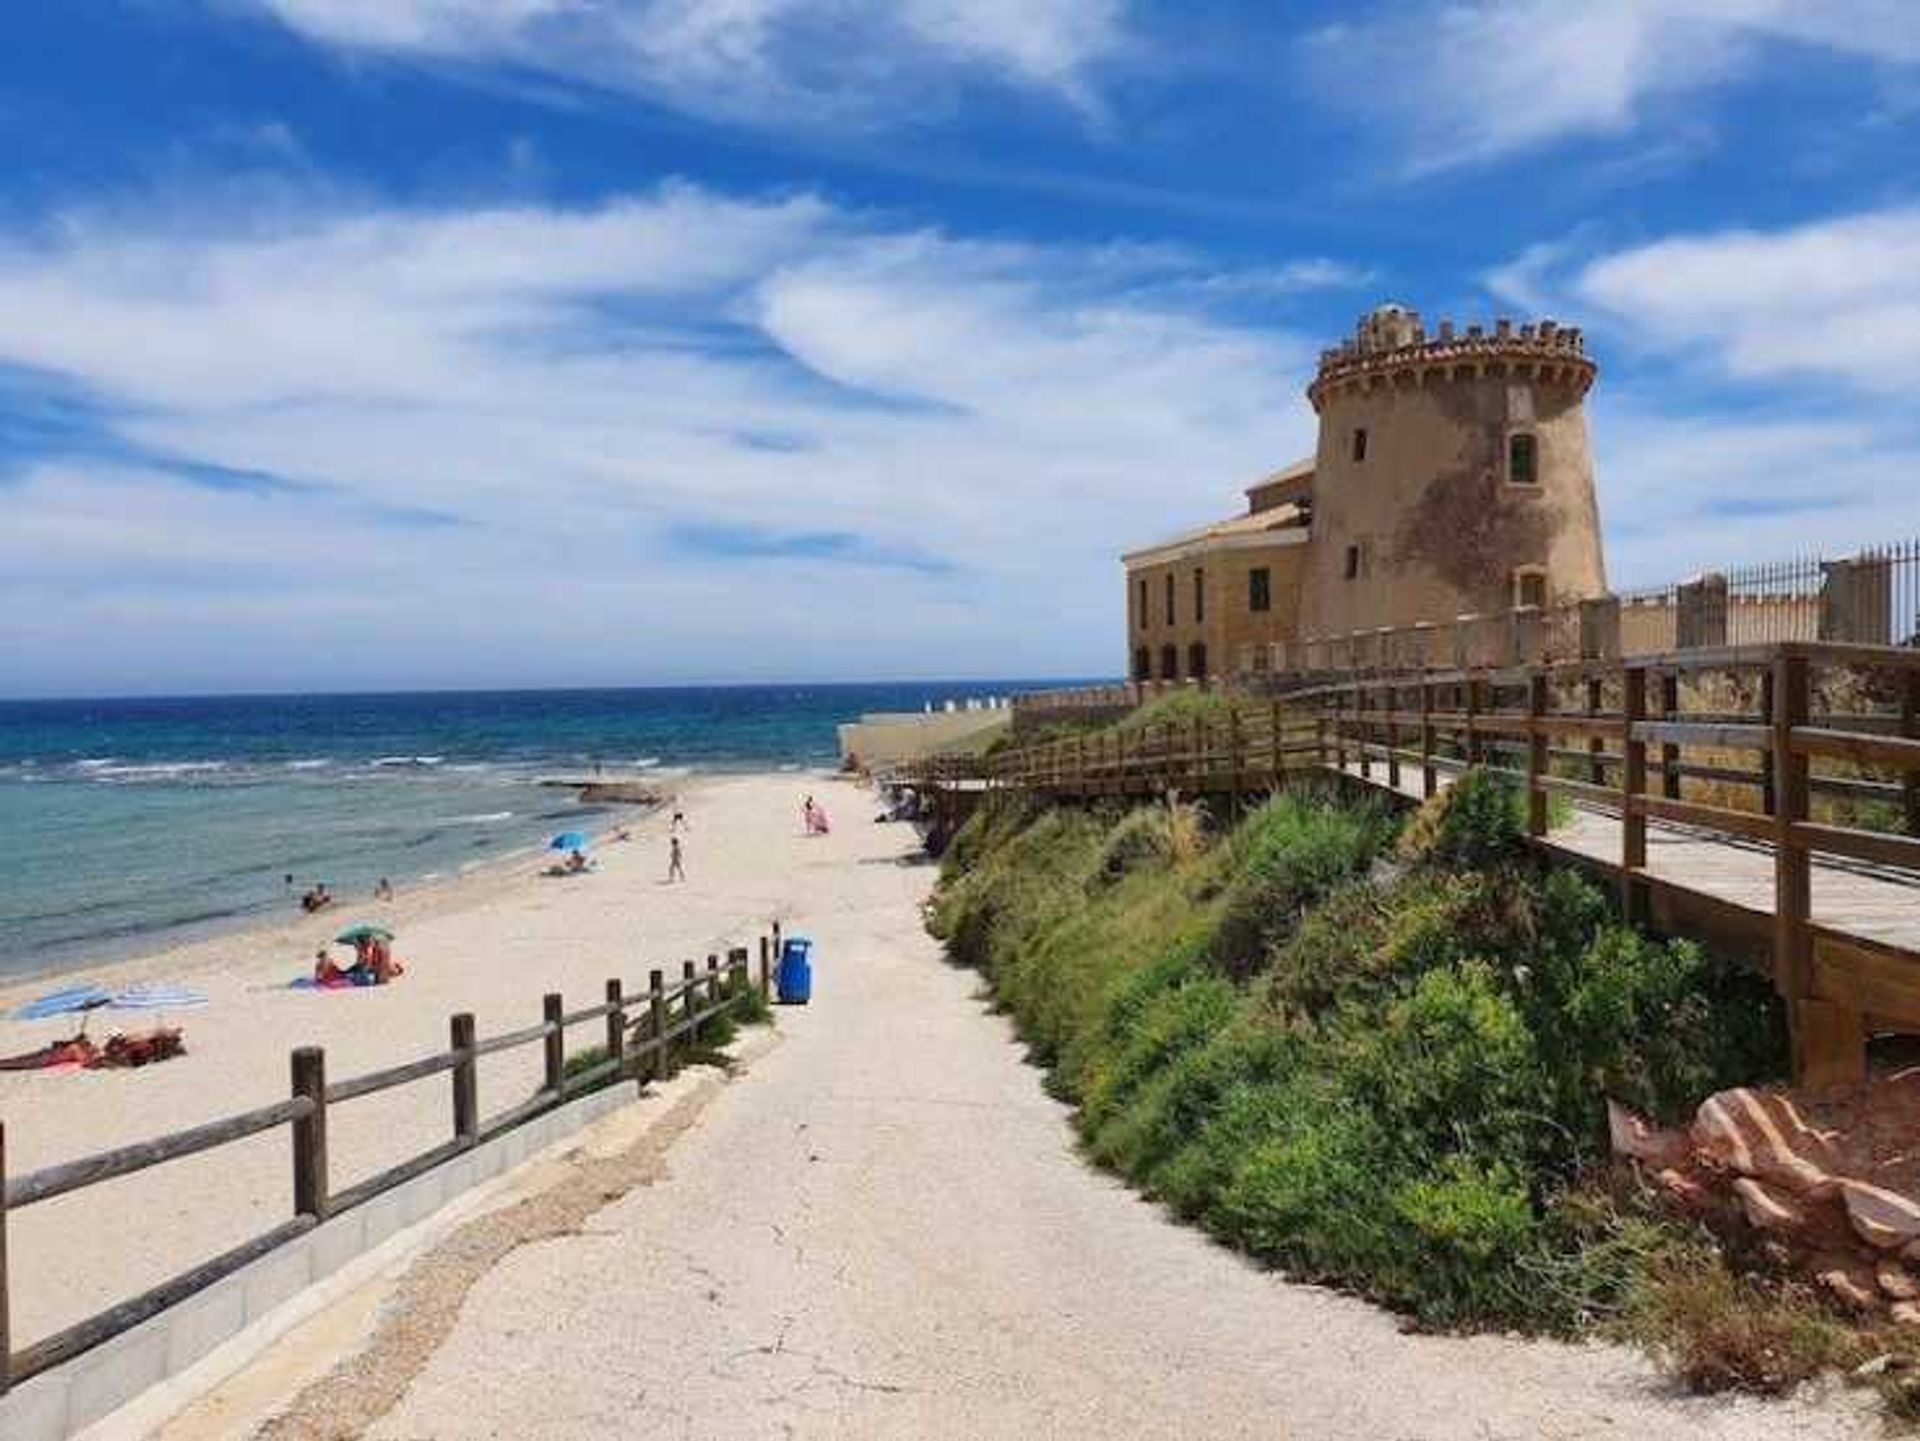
(1382, 1066)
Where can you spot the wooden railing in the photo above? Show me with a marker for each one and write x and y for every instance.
(645, 1034)
(1832, 730)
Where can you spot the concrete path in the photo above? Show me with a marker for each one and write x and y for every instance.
(883, 1230)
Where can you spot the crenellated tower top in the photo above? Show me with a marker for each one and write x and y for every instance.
(1390, 346)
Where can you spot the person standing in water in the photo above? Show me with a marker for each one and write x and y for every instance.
(676, 866)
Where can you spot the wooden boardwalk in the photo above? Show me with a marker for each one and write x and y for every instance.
(1764, 799)
(1878, 904)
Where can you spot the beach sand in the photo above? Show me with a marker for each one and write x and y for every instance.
(492, 942)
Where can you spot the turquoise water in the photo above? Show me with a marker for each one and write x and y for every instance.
(129, 823)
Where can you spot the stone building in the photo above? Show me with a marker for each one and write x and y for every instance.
(1452, 477)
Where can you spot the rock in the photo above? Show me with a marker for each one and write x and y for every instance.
(1767, 1209)
(1895, 1280)
(1684, 1189)
(1878, 1366)
(1905, 1313)
(1881, 1217)
(1851, 1284)
(1911, 1251)
(1760, 1134)
(1639, 1139)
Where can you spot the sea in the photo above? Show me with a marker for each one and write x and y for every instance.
(126, 825)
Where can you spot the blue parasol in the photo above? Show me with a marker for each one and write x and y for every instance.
(568, 841)
(60, 1003)
(153, 996)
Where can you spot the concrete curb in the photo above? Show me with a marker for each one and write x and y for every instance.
(243, 1314)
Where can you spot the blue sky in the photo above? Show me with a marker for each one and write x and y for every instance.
(350, 343)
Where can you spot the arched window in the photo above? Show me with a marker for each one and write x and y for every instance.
(1169, 662)
(1523, 458)
(1197, 661)
(1143, 664)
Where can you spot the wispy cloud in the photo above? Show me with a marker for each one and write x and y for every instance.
(1466, 83)
(813, 440)
(832, 63)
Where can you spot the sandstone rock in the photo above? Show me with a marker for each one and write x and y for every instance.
(1895, 1280)
(1905, 1313)
(1760, 1134)
(1639, 1139)
(1850, 1283)
(1684, 1189)
(1881, 1217)
(1765, 1208)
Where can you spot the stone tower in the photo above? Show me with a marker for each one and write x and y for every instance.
(1452, 475)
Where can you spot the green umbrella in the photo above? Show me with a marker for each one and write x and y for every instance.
(363, 931)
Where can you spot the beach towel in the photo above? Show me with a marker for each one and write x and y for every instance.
(68, 1055)
(157, 996)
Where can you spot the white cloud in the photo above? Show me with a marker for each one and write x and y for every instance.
(1469, 82)
(817, 62)
(581, 390)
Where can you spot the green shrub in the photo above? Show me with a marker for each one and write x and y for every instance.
(1389, 1078)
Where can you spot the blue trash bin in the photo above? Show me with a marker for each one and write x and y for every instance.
(795, 980)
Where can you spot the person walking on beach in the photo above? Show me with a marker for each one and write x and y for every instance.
(676, 866)
(679, 821)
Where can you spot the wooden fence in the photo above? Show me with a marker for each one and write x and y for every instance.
(645, 1035)
(1792, 751)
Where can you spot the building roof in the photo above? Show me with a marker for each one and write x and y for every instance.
(1282, 525)
(1301, 469)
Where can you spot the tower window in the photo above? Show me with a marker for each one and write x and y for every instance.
(1169, 597)
(1353, 562)
(1199, 596)
(1360, 443)
(1523, 459)
(1530, 587)
(1259, 589)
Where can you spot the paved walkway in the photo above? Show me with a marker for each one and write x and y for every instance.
(883, 1230)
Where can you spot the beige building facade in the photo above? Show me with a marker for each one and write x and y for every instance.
(1452, 477)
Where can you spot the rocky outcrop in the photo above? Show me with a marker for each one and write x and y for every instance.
(1830, 1189)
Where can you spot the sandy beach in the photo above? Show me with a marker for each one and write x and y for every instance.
(492, 942)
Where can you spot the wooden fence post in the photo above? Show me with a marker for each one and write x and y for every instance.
(1429, 773)
(466, 1088)
(616, 1022)
(1670, 753)
(1474, 753)
(1365, 729)
(6, 1322)
(554, 1043)
(1596, 745)
(1633, 782)
(310, 1133)
(1910, 727)
(739, 980)
(713, 979)
(766, 967)
(1276, 745)
(1536, 752)
(1769, 787)
(689, 1004)
(657, 1024)
(1393, 739)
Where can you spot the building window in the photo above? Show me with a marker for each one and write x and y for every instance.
(1143, 664)
(1259, 589)
(1169, 662)
(1359, 443)
(1353, 562)
(1169, 597)
(1530, 587)
(1523, 459)
(1199, 597)
(1197, 660)
(1140, 603)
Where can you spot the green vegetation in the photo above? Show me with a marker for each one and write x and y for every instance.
(748, 1007)
(1376, 1055)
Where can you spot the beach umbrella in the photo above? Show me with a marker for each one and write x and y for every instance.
(63, 1002)
(363, 931)
(156, 996)
(568, 841)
